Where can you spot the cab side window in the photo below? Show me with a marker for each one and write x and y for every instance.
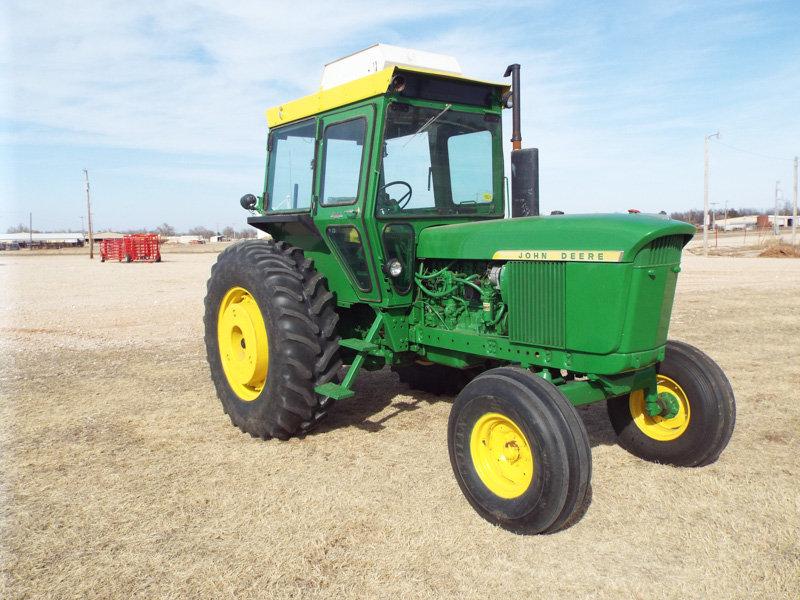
(470, 172)
(291, 168)
(348, 242)
(343, 147)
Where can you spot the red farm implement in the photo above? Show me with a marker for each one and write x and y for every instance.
(112, 249)
(137, 247)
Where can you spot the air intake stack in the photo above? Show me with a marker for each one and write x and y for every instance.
(524, 162)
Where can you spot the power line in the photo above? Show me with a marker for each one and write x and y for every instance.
(753, 153)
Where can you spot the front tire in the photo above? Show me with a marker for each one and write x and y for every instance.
(519, 451)
(698, 427)
(270, 338)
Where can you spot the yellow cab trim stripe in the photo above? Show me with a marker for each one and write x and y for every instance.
(560, 255)
(347, 93)
(373, 84)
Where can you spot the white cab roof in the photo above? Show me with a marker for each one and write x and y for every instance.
(380, 56)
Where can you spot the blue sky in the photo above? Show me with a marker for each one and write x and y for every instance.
(164, 102)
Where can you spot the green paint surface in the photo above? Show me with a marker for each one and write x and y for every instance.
(612, 232)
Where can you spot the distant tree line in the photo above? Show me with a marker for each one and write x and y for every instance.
(164, 230)
(21, 229)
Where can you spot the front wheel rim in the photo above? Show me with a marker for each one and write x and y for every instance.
(657, 427)
(501, 455)
(243, 343)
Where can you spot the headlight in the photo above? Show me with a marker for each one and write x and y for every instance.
(393, 267)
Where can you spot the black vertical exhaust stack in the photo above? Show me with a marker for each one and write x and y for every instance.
(524, 162)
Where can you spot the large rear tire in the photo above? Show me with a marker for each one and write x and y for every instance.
(270, 334)
(519, 451)
(698, 427)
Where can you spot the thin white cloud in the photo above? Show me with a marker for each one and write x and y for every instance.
(182, 76)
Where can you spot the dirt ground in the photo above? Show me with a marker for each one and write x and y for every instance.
(122, 477)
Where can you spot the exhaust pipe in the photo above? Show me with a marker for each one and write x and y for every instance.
(516, 134)
(524, 163)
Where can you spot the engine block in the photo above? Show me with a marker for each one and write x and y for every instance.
(461, 296)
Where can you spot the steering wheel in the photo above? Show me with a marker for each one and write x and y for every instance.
(404, 199)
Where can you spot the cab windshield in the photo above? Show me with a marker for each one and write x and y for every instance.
(439, 161)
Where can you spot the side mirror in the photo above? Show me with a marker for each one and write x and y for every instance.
(248, 201)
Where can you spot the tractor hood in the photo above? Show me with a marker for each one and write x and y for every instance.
(597, 238)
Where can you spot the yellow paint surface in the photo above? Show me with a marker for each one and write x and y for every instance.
(352, 91)
(560, 255)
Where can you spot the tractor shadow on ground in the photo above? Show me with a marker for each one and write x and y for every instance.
(376, 392)
(595, 418)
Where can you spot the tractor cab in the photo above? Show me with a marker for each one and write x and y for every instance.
(395, 141)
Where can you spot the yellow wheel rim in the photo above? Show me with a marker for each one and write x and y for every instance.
(243, 347)
(659, 428)
(501, 455)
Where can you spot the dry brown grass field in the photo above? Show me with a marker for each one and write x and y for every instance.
(122, 477)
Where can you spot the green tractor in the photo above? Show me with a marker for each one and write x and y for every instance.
(395, 242)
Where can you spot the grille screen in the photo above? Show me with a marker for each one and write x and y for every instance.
(536, 304)
(661, 251)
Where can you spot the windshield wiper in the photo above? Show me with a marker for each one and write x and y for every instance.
(427, 124)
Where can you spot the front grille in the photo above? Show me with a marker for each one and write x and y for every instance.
(536, 305)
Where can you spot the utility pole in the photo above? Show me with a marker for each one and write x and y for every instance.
(30, 231)
(89, 216)
(705, 193)
(794, 205)
(775, 230)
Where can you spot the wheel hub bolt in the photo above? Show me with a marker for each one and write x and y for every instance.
(665, 405)
(511, 453)
(669, 405)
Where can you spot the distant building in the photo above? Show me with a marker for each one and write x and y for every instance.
(752, 222)
(12, 241)
(184, 239)
(105, 235)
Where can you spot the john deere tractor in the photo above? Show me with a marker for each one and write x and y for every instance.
(394, 241)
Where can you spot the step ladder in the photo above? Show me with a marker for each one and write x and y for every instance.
(363, 348)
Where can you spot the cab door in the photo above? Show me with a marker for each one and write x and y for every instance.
(343, 159)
